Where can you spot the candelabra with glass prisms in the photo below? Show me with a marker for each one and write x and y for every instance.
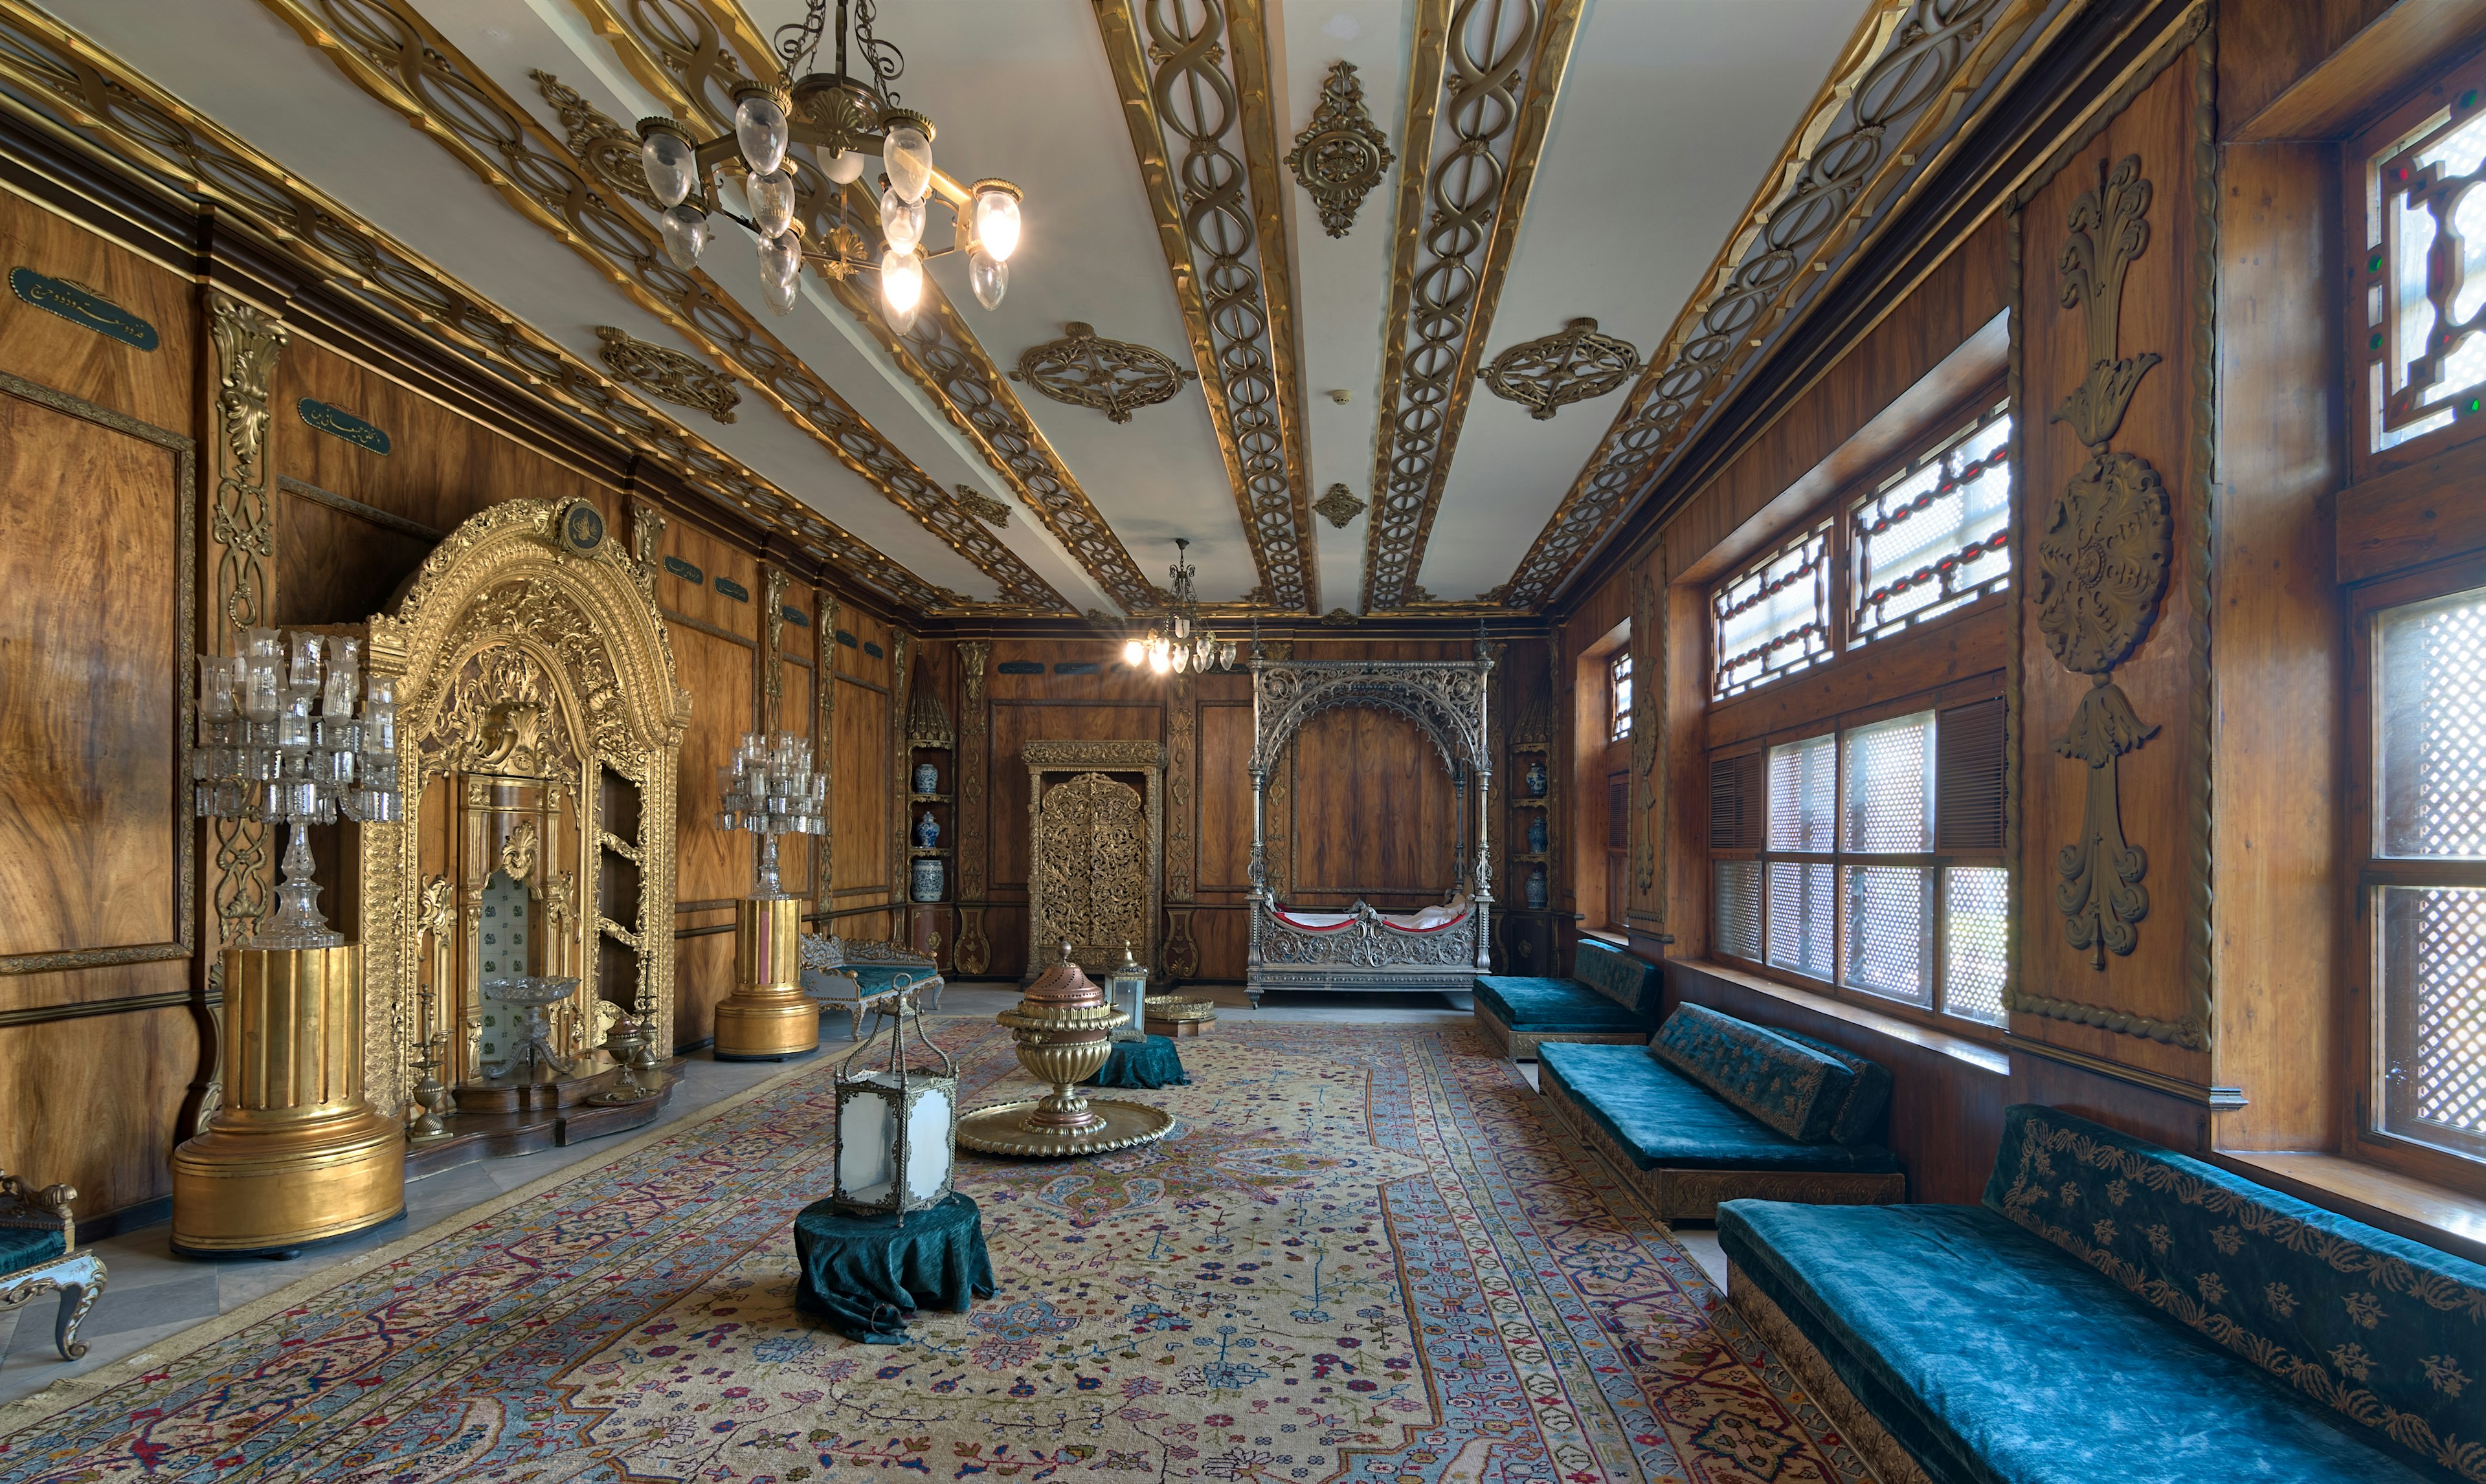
(262, 755)
(771, 789)
(295, 1155)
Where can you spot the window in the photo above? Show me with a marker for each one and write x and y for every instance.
(2425, 872)
(1868, 858)
(1926, 537)
(1618, 696)
(2426, 274)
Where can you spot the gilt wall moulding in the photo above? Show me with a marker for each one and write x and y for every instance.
(1114, 376)
(685, 381)
(1572, 364)
(2102, 554)
(1341, 155)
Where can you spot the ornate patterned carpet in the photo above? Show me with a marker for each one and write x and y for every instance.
(1366, 1254)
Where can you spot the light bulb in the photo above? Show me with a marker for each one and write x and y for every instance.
(1133, 652)
(1160, 654)
(845, 167)
(780, 258)
(772, 201)
(902, 222)
(1181, 658)
(902, 283)
(685, 231)
(907, 155)
(988, 276)
(760, 128)
(997, 221)
(778, 293)
(671, 166)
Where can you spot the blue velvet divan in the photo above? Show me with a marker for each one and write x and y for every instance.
(1610, 998)
(2115, 1312)
(1714, 1109)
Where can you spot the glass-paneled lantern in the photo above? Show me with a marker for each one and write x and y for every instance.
(1126, 989)
(897, 1124)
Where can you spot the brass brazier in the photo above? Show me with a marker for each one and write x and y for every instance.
(1063, 1030)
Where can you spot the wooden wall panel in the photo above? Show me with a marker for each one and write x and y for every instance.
(1225, 778)
(157, 387)
(96, 1103)
(1022, 721)
(861, 794)
(1375, 813)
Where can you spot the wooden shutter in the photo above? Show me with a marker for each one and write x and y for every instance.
(1968, 779)
(1619, 811)
(1735, 803)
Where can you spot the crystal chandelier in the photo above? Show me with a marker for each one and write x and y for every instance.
(771, 789)
(842, 119)
(1183, 645)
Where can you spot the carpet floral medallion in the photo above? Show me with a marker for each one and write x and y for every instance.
(1366, 1254)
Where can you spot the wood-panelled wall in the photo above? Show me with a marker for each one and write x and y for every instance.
(1362, 807)
(108, 550)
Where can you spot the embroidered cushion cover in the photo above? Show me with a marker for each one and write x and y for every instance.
(1860, 1118)
(1628, 982)
(1792, 1087)
(1554, 1005)
(2379, 1330)
(1663, 1119)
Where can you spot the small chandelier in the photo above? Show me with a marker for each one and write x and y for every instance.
(1183, 644)
(842, 118)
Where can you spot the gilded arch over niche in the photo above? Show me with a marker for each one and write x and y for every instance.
(529, 644)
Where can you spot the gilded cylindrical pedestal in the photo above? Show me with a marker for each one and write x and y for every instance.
(767, 1018)
(295, 1155)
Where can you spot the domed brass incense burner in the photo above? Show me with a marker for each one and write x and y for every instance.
(1063, 1030)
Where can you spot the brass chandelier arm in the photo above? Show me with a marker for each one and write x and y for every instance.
(1455, 240)
(421, 74)
(1894, 105)
(67, 85)
(1239, 314)
(712, 48)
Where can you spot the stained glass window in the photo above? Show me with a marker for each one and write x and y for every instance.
(2426, 274)
(1618, 696)
(1936, 534)
(1773, 617)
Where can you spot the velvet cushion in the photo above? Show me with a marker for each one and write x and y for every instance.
(1670, 1121)
(2360, 1323)
(22, 1247)
(1792, 1087)
(1553, 1005)
(1150, 1064)
(1860, 1118)
(1993, 1359)
(1631, 982)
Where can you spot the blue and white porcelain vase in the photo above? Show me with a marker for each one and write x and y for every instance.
(1537, 777)
(1535, 833)
(929, 878)
(927, 778)
(927, 831)
(1535, 889)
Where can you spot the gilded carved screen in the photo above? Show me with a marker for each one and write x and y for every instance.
(1096, 861)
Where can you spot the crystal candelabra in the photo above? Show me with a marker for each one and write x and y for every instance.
(771, 789)
(279, 742)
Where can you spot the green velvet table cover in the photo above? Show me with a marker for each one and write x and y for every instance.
(1150, 1064)
(867, 1274)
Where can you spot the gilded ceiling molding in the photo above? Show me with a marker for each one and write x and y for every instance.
(1113, 377)
(1340, 156)
(1572, 364)
(394, 54)
(983, 506)
(1194, 79)
(609, 151)
(1894, 104)
(704, 51)
(685, 381)
(1459, 210)
(91, 96)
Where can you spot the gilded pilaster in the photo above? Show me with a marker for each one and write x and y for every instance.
(975, 762)
(772, 677)
(901, 668)
(824, 746)
(241, 556)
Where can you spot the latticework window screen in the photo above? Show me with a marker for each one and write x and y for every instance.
(1773, 617)
(1619, 696)
(2431, 688)
(1870, 858)
(2425, 272)
(1935, 536)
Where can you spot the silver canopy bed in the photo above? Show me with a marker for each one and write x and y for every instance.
(1439, 949)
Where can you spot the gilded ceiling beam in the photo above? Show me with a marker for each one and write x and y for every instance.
(1488, 72)
(394, 54)
(1193, 76)
(704, 48)
(1893, 106)
(62, 84)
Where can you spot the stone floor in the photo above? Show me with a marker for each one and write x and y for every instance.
(152, 1295)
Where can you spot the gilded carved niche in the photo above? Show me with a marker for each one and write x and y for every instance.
(1097, 856)
(541, 725)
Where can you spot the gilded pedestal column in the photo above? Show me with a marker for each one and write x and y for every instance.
(295, 1155)
(767, 1018)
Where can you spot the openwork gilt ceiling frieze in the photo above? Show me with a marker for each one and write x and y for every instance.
(1114, 376)
(1194, 80)
(1340, 156)
(61, 82)
(683, 380)
(1481, 86)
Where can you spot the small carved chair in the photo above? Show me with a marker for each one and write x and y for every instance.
(39, 1255)
(858, 976)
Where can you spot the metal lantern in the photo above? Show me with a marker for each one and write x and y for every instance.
(898, 1125)
(1126, 989)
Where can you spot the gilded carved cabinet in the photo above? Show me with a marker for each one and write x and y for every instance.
(1096, 853)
